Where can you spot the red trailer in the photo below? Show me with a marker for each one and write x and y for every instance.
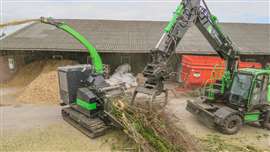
(197, 70)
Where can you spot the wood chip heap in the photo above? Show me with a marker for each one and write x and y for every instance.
(44, 87)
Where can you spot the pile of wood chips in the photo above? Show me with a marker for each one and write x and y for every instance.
(44, 88)
(26, 74)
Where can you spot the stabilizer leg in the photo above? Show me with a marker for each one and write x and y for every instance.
(133, 97)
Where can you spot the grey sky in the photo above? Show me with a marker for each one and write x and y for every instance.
(245, 11)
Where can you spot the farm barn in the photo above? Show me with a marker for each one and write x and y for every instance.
(121, 42)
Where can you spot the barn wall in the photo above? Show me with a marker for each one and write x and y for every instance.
(5, 72)
(136, 60)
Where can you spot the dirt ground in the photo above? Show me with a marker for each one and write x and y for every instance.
(250, 137)
(26, 127)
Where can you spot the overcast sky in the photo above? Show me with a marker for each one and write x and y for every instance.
(244, 11)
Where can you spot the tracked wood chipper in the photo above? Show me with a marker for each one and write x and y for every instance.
(85, 96)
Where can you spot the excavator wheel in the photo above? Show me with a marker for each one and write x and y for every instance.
(266, 122)
(231, 125)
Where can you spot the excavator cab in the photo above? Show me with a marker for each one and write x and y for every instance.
(239, 92)
(260, 90)
(250, 88)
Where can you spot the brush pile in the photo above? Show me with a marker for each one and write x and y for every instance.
(152, 130)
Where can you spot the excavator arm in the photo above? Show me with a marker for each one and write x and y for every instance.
(209, 27)
(188, 13)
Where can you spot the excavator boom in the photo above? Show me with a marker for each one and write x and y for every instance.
(188, 13)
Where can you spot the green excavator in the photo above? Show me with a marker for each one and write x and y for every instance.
(240, 97)
(246, 100)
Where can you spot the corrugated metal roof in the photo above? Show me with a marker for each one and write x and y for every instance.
(132, 36)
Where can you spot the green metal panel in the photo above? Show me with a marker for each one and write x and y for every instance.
(178, 12)
(96, 60)
(226, 81)
(268, 93)
(251, 117)
(255, 71)
(250, 92)
(214, 20)
(209, 29)
(86, 105)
